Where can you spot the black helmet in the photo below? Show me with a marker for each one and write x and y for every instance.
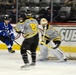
(6, 17)
(23, 16)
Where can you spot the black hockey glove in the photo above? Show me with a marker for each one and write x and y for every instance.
(57, 43)
(47, 41)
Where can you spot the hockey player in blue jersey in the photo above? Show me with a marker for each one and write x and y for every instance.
(6, 33)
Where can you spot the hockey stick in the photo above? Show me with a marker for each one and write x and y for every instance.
(17, 43)
(46, 45)
(43, 38)
(20, 45)
(51, 47)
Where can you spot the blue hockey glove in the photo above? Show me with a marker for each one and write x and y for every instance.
(12, 37)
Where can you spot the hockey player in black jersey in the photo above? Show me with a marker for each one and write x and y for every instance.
(29, 28)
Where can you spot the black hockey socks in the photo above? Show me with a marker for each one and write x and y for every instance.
(33, 56)
(25, 58)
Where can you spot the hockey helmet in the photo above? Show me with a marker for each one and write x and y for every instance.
(21, 17)
(43, 21)
(6, 17)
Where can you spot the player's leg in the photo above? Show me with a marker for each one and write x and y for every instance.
(57, 52)
(24, 47)
(43, 53)
(9, 44)
(33, 48)
(27, 45)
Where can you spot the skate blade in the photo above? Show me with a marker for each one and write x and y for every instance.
(62, 61)
(27, 67)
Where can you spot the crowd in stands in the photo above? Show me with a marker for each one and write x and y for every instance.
(62, 12)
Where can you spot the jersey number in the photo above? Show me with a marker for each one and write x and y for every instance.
(33, 26)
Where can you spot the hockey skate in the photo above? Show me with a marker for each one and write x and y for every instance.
(42, 59)
(32, 64)
(25, 66)
(11, 51)
(64, 60)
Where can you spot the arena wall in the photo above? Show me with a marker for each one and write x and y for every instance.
(68, 34)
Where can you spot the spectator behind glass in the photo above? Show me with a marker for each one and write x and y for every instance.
(45, 14)
(12, 1)
(48, 14)
(42, 14)
(13, 14)
(69, 2)
(7, 3)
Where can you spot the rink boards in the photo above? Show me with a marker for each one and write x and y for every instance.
(68, 34)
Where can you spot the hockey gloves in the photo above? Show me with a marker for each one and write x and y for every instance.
(12, 37)
(57, 43)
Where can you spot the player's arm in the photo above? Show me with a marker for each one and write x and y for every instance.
(17, 29)
(2, 31)
(57, 41)
(11, 33)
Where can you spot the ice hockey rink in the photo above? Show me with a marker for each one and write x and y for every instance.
(10, 65)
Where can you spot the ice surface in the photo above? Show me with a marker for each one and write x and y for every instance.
(10, 65)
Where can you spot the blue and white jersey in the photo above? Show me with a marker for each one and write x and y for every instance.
(6, 30)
